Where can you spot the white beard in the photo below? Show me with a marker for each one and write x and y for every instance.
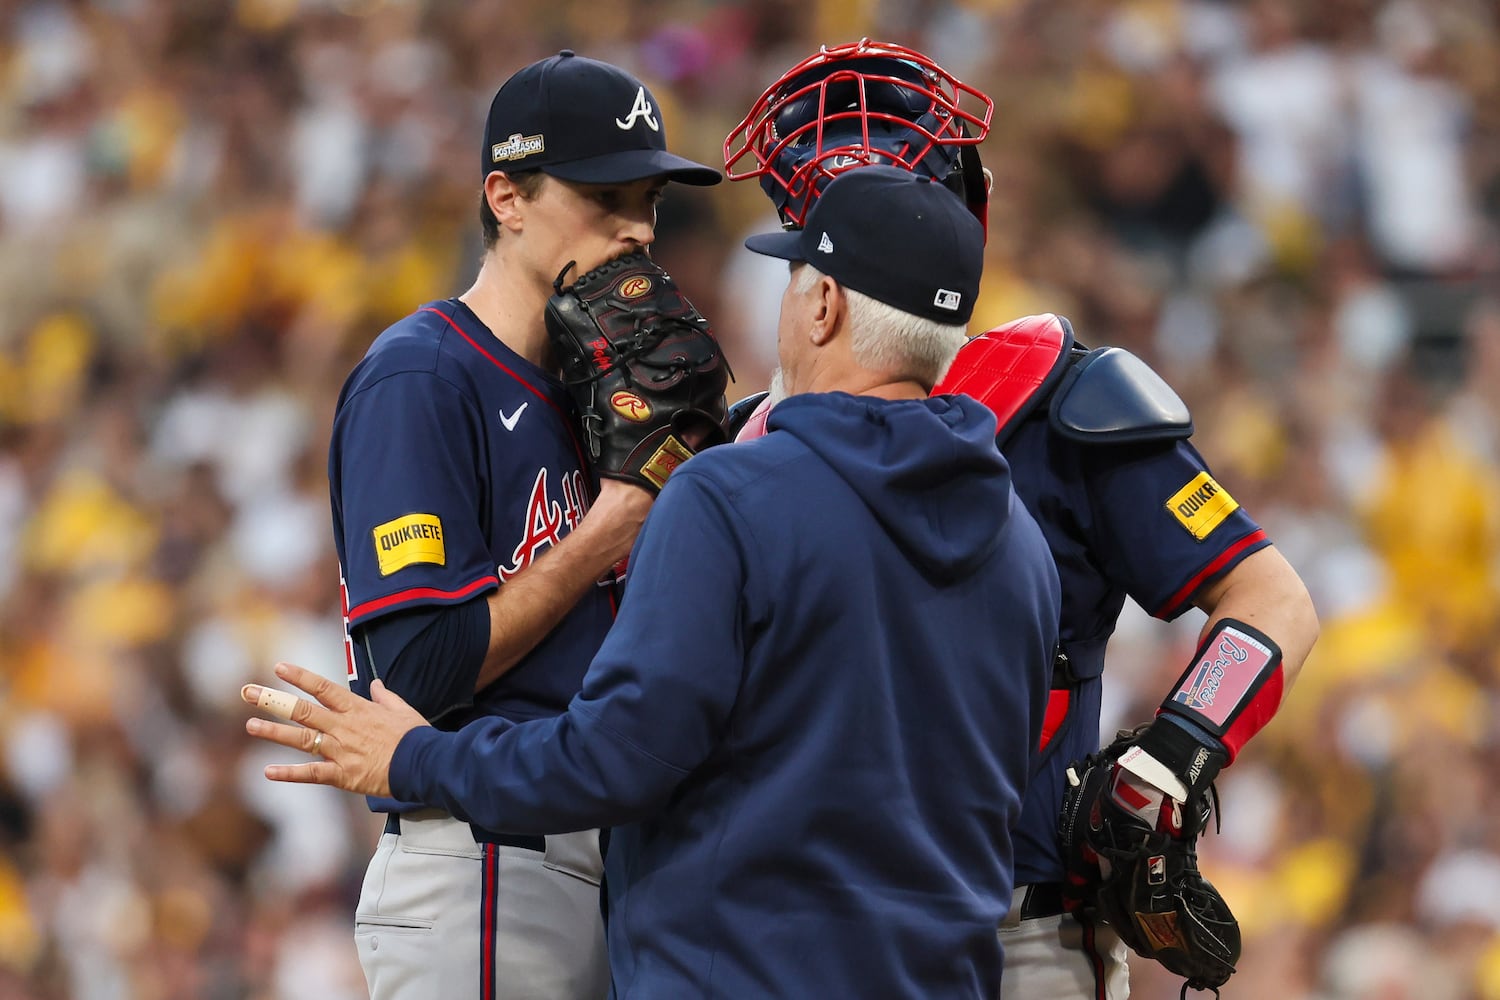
(778, 387)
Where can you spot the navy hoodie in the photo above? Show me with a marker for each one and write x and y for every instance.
(812, 722)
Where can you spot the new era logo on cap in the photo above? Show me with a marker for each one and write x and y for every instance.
(825, 245)
(582, 120)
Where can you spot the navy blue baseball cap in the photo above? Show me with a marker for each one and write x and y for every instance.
(582, 120)
(896, 236)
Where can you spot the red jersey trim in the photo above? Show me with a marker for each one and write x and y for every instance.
(1221, 563)
(539, 394)
(488, 931)
(415, 593)
(1058, 703)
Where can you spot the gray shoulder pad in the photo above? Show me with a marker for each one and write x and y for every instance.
(1110, 396)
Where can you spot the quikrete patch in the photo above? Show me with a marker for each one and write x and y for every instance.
(408, 540)
(1201, 505)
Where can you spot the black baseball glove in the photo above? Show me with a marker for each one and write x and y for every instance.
(1132, 860)
(644, 369)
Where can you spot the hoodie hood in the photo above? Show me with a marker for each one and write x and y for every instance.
(928, 469)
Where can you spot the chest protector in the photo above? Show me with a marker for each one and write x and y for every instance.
(1013, 368)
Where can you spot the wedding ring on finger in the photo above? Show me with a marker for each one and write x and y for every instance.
(317, 746)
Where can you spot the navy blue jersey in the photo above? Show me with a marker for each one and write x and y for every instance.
(1146, 521)
(454, 464)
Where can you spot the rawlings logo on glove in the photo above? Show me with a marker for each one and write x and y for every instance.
(643, 366)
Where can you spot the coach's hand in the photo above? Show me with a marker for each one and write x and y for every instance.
(356, 738)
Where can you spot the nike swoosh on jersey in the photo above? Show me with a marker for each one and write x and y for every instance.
(510, 421)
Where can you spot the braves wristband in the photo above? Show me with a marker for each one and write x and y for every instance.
(1233, 686)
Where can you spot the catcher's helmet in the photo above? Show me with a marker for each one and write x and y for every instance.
(857, 104)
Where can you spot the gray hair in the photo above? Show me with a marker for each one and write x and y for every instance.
(889, 340)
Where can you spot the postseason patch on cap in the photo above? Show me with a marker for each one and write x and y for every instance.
(408, 540)
(1201, 506)
(517, 147)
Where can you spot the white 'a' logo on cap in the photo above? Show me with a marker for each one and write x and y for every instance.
(825, 245)
(640, 109)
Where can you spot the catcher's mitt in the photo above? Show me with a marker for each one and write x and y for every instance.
(644, 369)
(1142, 878)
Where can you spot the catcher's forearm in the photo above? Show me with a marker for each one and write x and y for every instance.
(1265, 592)
(1261, 626)
(530, 604)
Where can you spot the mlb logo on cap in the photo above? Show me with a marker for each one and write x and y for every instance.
(582, 120)
(894, 236)
(948, 299)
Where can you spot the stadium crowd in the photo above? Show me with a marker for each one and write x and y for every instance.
(208, 208)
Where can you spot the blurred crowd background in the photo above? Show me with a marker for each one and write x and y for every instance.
(208, 208)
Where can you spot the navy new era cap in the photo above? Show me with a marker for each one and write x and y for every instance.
(582, 120)
(893, 235)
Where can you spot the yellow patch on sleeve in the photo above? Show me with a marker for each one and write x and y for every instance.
(1201, 505)
(408, 540)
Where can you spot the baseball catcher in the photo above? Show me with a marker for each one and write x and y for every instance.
(1098, 446)
(643, 367)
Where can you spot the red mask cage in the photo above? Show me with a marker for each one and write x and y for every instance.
(853, 105)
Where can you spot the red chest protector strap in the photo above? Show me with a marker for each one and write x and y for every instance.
(1012, 368)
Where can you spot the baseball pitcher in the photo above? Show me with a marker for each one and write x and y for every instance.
(476, 535)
